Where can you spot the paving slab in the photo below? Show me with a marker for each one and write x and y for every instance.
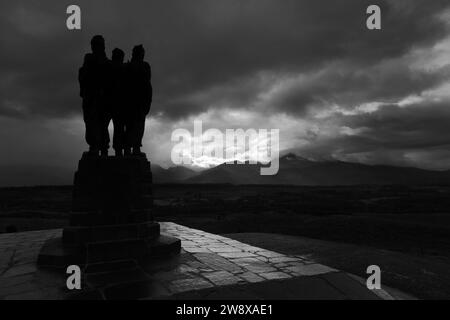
(208, 266)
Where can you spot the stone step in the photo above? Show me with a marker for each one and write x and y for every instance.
(88, 202)
(95, 218)
(56, 253)
(136, 249)
(83, 235)
(87, 178)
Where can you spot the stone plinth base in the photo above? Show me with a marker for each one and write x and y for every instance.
(56, 253)
(111, 216)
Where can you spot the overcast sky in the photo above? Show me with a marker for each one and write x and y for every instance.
(307, 67)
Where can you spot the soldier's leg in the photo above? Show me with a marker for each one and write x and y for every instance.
(140, 131)
(133, 133)
(105, 118)
(128, 133)
(89, 118)
(138, 134)
(119, 134)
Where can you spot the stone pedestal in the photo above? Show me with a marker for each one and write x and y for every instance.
(111, 217)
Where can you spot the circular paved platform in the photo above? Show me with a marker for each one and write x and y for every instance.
(209, 267)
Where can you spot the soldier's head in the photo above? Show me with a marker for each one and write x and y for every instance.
(138, 53)
(98, 44)
(117, 56)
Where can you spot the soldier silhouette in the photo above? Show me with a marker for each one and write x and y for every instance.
(118, 102)
(93, 79)
(139, 97)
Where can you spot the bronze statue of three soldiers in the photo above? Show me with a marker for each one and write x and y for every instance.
(117, 91)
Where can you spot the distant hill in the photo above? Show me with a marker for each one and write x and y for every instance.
(296, 170)
(29, 175)
(172, 174)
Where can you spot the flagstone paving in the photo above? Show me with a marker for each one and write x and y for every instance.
(209, 266)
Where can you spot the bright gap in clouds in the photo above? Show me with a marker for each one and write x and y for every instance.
(157, 140)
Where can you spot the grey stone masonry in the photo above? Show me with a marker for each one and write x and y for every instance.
(111, 215)
(206, 262)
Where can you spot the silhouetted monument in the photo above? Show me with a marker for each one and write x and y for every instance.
(93, 78)
(118, 97)
(140, 95)
(111, 215)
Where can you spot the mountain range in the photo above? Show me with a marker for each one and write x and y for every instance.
(293, 170)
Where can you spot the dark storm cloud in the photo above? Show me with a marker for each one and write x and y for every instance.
(290, 60)
(417, 126)
(38, 61)
(204, 51)
(349, 87)
(303, 37)
(416, 135)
